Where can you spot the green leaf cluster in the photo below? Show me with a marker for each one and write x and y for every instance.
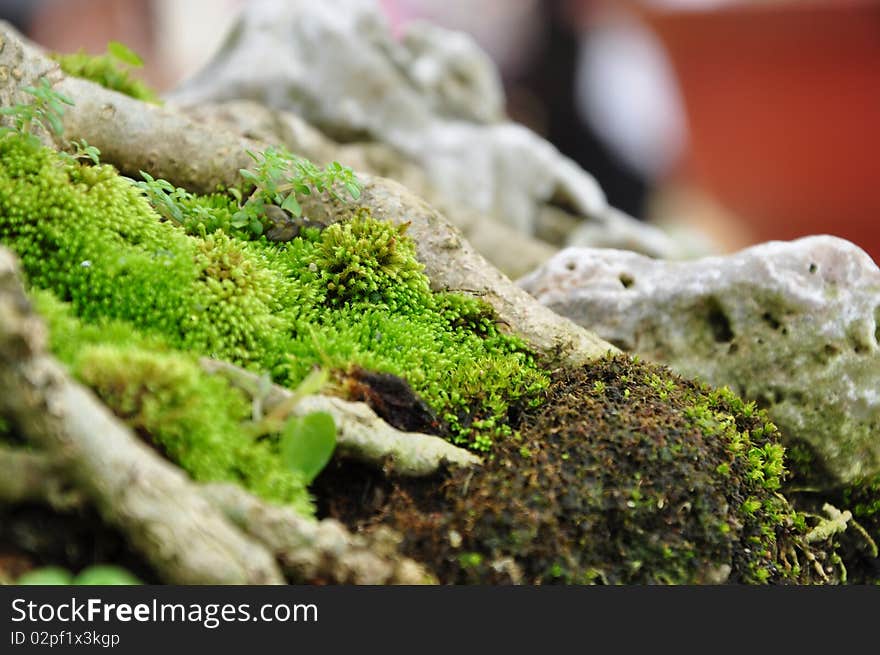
(282, 179)
(45, 110)
(110, 70)
(97, 574)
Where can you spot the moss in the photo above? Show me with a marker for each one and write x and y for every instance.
(366, 260)
(89, 235)
(107, 71)
(601, 485)
(197, 420)
(446, 346)
(352, 294)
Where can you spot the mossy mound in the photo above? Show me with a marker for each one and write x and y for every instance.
(108, 71)
(627, 475)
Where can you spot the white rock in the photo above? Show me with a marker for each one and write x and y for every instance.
(793, 325)
(434, 96)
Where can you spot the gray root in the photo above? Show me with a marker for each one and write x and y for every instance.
(137, 136)
(154, 504)
(361, 434)
(308, 551)
(322, 551)
(31, 477)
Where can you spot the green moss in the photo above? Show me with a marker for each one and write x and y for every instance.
(619, 488)
(197, 420)
(352, 294)
(363, 260)
(106, 70)
(89, 235)
(376, 311)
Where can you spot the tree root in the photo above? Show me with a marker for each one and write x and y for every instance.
(361, 434)
(30, 477)
(322, 551)
(137, 136)
(185, 531)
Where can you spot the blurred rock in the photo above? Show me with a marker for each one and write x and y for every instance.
(433, 96)
(792, 325)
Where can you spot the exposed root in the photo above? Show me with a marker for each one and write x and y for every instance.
(361, 434)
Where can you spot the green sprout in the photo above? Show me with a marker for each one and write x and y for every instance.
(45, 110)
(109, 70)
(282, 178)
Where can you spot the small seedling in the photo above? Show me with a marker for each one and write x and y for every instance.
(82, 150)
(282, 178)
(45, 110)
(308, 442)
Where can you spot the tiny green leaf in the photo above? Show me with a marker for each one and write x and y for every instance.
(312, 383)
(290, 204)
(308, 443)
(353, 189)
(47, 575)
(246, 174)
(55, 123)
(105, 574)
(124, 54)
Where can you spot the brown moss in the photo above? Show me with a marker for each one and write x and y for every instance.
(627, 475)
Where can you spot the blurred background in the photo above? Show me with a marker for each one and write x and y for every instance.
(741, 120)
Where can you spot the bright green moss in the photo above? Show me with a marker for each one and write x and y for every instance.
(90, 236)
(352, 294)
(107, 71)
(384, 318)
(195, 419)
(366, 260)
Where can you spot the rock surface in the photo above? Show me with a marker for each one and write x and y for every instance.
(433, 96)
(792, 325)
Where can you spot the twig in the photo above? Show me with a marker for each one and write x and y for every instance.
(323, 551)
(361, 434)
(308, 551)
(33, 477)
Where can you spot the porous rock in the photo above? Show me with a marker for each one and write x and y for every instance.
(793, 325)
